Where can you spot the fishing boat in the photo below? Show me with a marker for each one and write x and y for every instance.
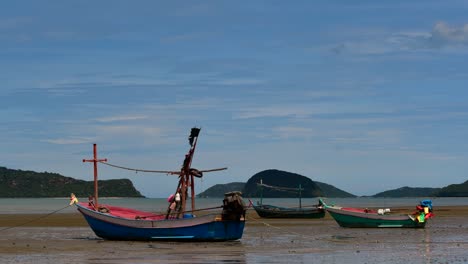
(364, 217)
(272, 211)
(222, 223)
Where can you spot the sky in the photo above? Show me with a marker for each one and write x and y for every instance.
(367, 96)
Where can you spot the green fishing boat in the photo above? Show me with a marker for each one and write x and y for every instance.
(363, 217)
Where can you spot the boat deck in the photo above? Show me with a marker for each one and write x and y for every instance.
(127, 213)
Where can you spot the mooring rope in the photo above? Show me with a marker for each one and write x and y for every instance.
(138, 170)
(278, 228)
(35, 219)
(278, 188)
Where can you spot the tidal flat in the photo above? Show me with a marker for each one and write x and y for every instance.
(66, 238)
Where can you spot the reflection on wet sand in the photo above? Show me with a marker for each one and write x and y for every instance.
(264, 241)
(427, 245)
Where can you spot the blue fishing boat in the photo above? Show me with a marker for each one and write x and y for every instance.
(222, 223)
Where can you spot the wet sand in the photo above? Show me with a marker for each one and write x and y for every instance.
(66, 238)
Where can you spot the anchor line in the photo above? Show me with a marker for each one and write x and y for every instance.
(35, 219)
(277, 228)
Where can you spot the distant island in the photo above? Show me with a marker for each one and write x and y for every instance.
(277, 178)
(408, 192)
(453, 190)
(30, 184)
(315, 188)
(23, 184)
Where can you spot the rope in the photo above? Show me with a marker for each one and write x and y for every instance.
(36, 219)
(156, 171)
(278, 188)
(279, 228)
(176, 213)
(204, 209)
(139, 170)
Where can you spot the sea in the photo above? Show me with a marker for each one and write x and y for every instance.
(47, 205)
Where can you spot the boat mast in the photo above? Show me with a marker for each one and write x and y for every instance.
(186, 177)
(95, 160)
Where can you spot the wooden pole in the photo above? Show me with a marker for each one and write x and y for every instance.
(95, 160)
(192, 187)
(300, 196)
(261, 191)
(190, 176)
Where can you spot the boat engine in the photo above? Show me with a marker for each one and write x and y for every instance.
(233, 206)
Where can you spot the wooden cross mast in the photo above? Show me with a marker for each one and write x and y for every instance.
(95, 160)
(186, 177)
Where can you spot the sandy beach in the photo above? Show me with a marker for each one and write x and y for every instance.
(66, 238)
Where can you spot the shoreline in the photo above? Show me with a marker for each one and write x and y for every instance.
(75, 219)
(66, 238)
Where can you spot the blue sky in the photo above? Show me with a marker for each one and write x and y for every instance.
(366, 96)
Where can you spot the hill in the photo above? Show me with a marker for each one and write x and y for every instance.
(331, 191)
(408, 192)
(282, 179)
(219, 190)
(453, 190)
(23, 184)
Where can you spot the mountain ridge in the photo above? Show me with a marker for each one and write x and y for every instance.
(281, 179)
(31, 184)
(26, 183)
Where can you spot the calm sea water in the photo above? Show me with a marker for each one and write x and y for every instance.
(46, 205)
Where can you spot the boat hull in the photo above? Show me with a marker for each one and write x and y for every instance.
(204, 228)
(368, 220)
(269, 211)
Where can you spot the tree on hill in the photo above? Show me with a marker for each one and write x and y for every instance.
(19, 183)
(453, 190)
(219, 190)
(281, 179)
(408, 192)
(331, 191)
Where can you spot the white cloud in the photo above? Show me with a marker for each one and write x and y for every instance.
(445, 35)
(272, 111)
(133, 130)
(69, 141)
(121, 118)
(442, 35)
(13, 23)
(236, 81)
(294, 131)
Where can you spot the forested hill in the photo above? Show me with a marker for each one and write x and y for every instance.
(218, 190)
(23, 184)
(408, 192)
(281, 179)
(277, 178)
(453, 190)
(331, 191)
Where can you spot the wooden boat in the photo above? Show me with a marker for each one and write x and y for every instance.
(363, 217)
(119, 223)
(271, 211)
